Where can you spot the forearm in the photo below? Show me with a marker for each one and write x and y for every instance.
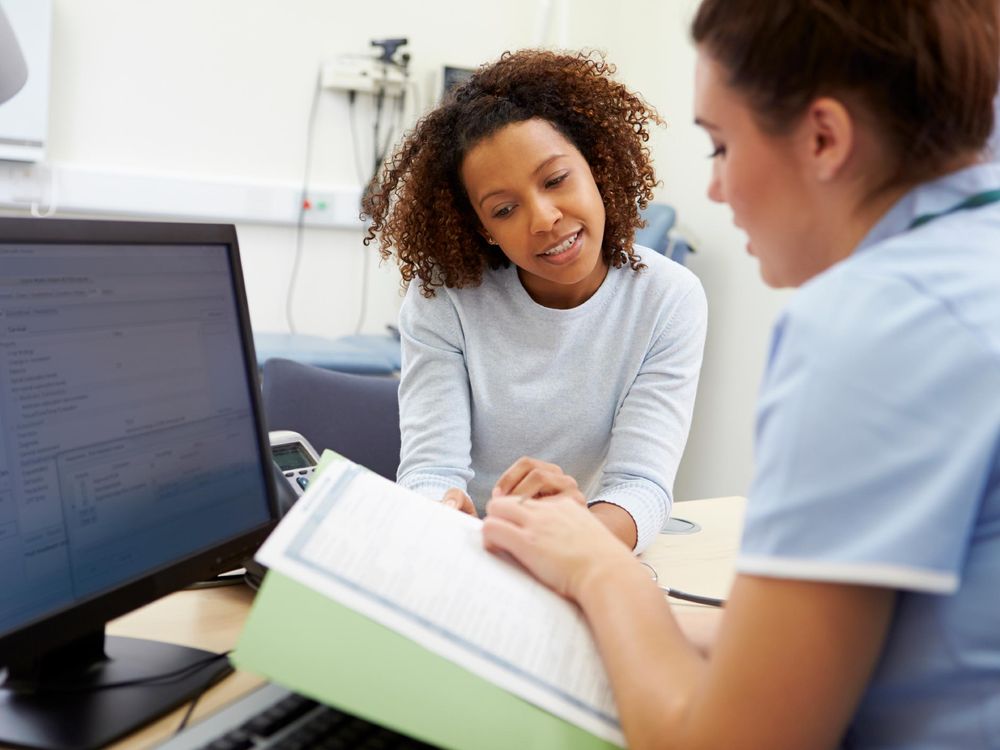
(618, 521)
(641, 501)
(435, 443)
(654, 670)
(651, 426)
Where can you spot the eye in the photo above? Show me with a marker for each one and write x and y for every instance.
(502, 212)
(557, 180)
(718, 151)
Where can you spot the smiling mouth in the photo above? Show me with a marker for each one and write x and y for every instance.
(562, 247)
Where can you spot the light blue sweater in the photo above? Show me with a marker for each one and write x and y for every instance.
(605, 390)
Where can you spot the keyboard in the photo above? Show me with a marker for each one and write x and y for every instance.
(273, 717)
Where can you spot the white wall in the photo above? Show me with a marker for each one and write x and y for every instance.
(220, 90)
(649, 42)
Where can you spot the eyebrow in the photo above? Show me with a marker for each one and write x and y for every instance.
(536, 170)
(705, 124)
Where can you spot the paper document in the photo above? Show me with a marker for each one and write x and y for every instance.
(420, 569)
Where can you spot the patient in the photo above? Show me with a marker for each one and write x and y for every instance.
(542, 350)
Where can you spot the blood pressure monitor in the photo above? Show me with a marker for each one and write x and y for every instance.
(294, 457)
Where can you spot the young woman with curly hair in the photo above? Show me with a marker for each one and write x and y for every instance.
(535, 328)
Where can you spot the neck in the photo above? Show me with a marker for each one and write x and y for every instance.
(865, 216)
(563, 296)
(873, 206)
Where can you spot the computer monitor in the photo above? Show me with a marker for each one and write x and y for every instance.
(453, 76)
(133, 462)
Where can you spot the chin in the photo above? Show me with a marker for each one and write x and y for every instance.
(772, 278)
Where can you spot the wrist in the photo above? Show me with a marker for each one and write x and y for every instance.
(618, 521)
(602, 581)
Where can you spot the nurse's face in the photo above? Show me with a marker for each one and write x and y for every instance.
(760, 177)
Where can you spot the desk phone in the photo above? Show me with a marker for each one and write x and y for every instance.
(294, 457)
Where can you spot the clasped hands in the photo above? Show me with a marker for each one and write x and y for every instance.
(526, 477)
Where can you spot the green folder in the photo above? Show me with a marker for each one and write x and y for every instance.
(309, 643)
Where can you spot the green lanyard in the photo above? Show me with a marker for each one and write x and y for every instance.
(973, 201)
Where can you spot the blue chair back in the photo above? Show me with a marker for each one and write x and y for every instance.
(656, 235)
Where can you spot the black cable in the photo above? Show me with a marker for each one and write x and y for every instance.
(355, 145)
(229, 578)
(379, 154)
(190, 710)
(363, 311)
(376, 126)
(165, 678)
(366, 185)
(397, 125)
(300, 222)
(709, 601)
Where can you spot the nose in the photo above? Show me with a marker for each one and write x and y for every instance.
(715, 191)
(544, 216)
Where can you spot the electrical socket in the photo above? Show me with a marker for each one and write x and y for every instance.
(366, 76)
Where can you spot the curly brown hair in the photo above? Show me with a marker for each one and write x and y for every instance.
(419, 208)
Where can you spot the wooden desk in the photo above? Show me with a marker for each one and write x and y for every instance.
(700, 562)
(212, 618)
(208, 618)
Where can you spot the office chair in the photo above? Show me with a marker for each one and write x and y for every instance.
(355, 415)
(361, 354)
(657, 234)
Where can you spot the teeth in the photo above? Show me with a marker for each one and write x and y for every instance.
(562, 246)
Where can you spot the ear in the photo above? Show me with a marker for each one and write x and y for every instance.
(830, 137)
(486, 235)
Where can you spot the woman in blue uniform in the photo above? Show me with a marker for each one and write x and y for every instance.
(847, 139)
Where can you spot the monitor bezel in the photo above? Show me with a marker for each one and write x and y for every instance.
(76, 619)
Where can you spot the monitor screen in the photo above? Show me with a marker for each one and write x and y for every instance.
(132, 451)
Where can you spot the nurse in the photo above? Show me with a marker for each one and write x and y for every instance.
(847, 142)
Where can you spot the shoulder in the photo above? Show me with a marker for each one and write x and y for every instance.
(873, 330)
(664, 273)
(665, 286)
(839, 319)
(420, 315)
(450, 305)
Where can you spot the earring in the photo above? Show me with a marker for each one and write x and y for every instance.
(490, 240)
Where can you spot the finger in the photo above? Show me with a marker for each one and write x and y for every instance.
(516, 473)
(454, 498)
(502, 536)
(468, 507)
(540, 482)
(510, 508)
(574, 495)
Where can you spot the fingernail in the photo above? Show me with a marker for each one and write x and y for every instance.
(451, 503)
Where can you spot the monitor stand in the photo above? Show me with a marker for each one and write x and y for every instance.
(65, 708)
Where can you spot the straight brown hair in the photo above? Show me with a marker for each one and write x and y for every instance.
(924, 71)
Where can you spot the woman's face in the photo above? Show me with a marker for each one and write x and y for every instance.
(762, 179)
(536, 198)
